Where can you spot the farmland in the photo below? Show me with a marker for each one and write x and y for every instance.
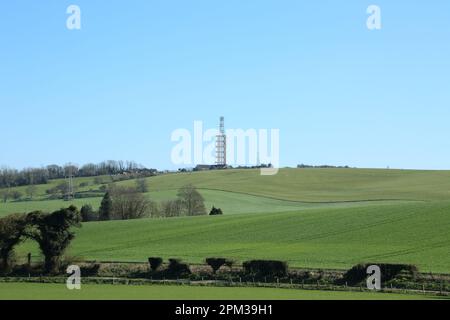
(318, 218)
(246, 191)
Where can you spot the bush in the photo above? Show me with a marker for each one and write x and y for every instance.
(229, 263)
(215, 211)
(90, 270)
(215, 263)
(358, 273)
(263, 268)
(177, 268)
(155, 263)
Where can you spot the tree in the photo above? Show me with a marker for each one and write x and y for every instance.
(52, 233)
(4, 194)
(141, 185)
(87, 213)
(171, 208)
(128, 203)
(12, 229)
(215, 211)
(31, 190)
(105, 211)
(16, 195)
(192, 201)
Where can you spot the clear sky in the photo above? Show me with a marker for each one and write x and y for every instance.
(137, 70)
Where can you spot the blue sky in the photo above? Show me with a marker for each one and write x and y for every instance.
(137, 70)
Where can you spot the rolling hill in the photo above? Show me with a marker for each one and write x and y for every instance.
(319, 218)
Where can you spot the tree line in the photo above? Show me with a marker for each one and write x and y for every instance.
(30, 176)
(124, 203)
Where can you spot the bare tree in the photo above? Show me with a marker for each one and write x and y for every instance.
(128, 203)
(192, 201)
(141, 185)
(31, 191)
(4, 195)
(171, 208)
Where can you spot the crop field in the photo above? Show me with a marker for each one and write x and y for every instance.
(246, 191)
(318, 185)
(318, 218)
(38, 291)
(318, 238)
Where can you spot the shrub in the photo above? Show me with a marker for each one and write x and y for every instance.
(155, 263)
(358, 273)
(90, 270)
(215, 263)
(177, 268)
(215, 211)
(229, 263)
(263, 268)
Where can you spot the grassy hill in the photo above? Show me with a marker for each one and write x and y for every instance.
(321, 218)
(318, 185)
(240, 191)
(319, 238)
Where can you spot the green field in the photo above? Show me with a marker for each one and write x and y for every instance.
(319, 238)
(246, 191)
(319, 218)
(38, 291)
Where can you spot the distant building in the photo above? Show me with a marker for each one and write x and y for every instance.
(204, 167)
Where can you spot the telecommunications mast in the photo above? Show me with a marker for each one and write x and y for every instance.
(221, 145)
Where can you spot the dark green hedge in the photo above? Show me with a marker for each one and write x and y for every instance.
(155, 262)
(177, 268)
(389, 271)
(266, 268)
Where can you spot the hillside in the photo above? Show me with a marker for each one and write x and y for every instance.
(319, 238)
(321, 218)
(319, 185)
(240, 191)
